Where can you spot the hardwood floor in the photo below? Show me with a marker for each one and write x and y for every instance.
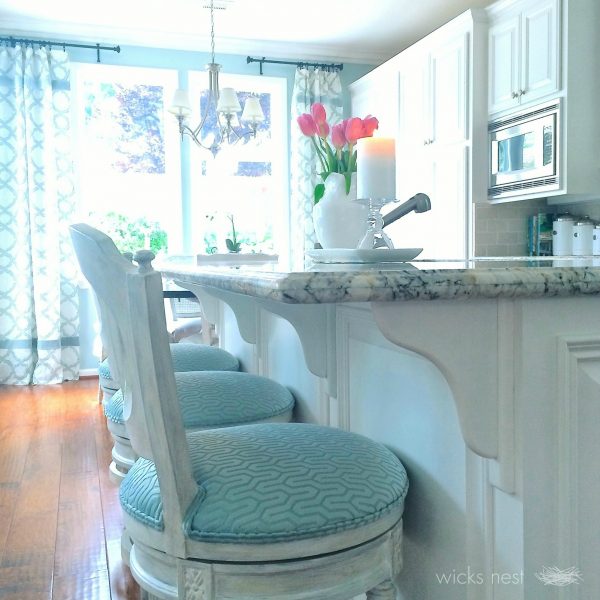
(60, 519)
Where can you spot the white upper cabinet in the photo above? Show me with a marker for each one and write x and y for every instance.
(524, 47)
(504, 44)
(433, 94)
(539, 58)
(448, 91)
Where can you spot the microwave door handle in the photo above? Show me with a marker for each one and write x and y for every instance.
(539, 146)
(494, 157)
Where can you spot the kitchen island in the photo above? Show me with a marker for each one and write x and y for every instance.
(483, 376)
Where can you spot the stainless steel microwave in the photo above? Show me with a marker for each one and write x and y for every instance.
(524, 150)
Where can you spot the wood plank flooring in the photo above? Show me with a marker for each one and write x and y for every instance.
(60, 519)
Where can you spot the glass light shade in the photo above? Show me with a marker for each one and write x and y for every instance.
(253, 110)
(228, 101)
(180, 105)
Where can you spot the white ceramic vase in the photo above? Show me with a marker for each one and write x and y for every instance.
(339, 221)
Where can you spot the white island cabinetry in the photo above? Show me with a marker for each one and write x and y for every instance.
(483, 377)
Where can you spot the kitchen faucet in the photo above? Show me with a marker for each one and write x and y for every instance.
(419, 203)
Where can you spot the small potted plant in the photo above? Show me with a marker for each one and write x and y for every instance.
(233, 244)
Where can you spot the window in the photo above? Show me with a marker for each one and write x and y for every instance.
(128, 154)
(130, 164)
(246, 181)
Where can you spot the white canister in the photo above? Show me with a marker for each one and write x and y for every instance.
(583, 238)
(562, 235)
(596, 241)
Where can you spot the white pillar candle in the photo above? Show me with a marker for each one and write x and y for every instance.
(376, 168)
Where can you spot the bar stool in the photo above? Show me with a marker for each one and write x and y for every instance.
(259, 512)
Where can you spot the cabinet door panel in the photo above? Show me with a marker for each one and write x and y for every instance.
(442, 231)
(539, 60)
(413, 110)
(448, 77)
(504, 42)
(411, 173)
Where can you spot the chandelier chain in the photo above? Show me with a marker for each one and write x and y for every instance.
(212, 30)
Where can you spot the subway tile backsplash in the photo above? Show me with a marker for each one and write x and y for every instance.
(501, 229)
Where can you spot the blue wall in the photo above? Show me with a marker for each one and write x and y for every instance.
(184, 61)
(136, 56)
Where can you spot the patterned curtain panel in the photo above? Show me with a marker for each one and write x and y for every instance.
(39, 320)
(309, 86)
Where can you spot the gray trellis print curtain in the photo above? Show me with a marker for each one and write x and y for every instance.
(39, 320)
(309, 86)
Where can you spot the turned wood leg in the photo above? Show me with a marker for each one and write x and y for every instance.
(384, 591)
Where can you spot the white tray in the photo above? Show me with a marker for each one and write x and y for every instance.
(356, 256)
(233, 259)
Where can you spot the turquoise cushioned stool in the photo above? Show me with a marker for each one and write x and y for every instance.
(108, 384)
(328, 480)
(208, 399)
(213, 399)
(185, 357)
(255, 512)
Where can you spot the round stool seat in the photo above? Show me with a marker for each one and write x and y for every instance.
(268, 483)
(199, 357)
(221, 399)
(186, 357)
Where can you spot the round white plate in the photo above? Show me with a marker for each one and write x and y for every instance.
(351, 255)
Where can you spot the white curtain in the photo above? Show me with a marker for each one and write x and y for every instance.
(39, 320)
(309, 86)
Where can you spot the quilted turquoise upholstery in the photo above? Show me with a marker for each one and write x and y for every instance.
(113, 407)
(220, 399)
(105, 376)
(198, 357)
(186, 357)
(274, 483)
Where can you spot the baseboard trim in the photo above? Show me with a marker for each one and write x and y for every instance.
(87, 373)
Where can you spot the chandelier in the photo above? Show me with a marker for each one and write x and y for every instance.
(223, 102)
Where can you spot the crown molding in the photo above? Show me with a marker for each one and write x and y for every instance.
(89, 33)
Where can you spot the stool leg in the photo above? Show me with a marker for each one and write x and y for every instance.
(384, 591)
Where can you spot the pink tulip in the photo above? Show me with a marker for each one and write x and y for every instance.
(354, 130)
(323, 129)
(359, 128)
(338, 138)
(370, 124)
(307, 125)
(318, 113)
(317, 110)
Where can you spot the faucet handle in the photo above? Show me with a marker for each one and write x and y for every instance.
(419, 203)
(422, 202)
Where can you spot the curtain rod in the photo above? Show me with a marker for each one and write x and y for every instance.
(263, 60)
(97, 47)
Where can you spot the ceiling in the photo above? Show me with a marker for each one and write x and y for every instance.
(362, 31)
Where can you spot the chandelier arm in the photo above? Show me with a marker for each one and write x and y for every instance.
(187, 130)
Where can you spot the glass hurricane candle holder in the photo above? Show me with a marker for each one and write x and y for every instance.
(375, 237)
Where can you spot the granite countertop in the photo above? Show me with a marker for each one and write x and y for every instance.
(506, 277)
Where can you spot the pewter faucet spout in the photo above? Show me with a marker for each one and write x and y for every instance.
(419, 203)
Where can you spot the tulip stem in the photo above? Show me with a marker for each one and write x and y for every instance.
(320, 154)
